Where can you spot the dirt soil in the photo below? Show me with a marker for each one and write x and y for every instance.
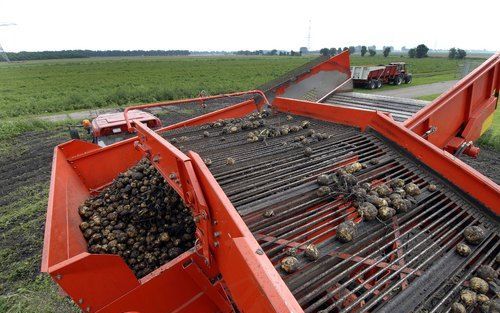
(487, 163)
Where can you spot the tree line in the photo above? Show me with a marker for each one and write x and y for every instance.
(420, 51)
(69, 54)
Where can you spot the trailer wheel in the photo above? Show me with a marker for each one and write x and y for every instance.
(408, 79)
(379, 84)
(371, 84)
(397, 80)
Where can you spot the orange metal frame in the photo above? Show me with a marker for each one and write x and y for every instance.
(458, 116)
(228, 265)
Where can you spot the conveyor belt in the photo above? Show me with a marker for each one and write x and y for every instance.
(400, 108)
(406, 264)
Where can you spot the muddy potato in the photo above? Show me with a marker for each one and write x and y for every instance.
(289, 264)
(374, 161)
(346, 231)
(353, 168)
(323, 191)
(432, 187)
(324, 180)
(487, 273)
(412, 189)
(366, 186)
(308, 151)
(462, 249)
(291, 251)
(474, 234)
(386, 213)
(311, 252)
(457, 307)
(377, 201)
(400, 205)
(367, 211)
(206, 134)
(397, 183)
(479, 285)
(468, 297)
(383, 190)
(289, 117)
(230, 161)
(207, 161)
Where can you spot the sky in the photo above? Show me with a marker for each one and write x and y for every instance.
(246, 25)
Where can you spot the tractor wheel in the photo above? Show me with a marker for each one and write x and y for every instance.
(371, 84)
(73, 133)
(397, 80)
(379, 84)
(408, 79)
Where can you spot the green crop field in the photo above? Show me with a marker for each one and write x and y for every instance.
(54, 86)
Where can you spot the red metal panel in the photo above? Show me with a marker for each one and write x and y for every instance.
(453, 169)
(464, 107)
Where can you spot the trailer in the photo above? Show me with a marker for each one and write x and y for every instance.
(372, 77)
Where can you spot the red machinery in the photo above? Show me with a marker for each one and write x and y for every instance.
(372, 77)
(234, 264)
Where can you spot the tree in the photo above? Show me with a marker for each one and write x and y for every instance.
(363, 51)
(421, 51)
(372, 52)
(325, 51)
(273, 52)
(386, 52)
(452, 53)
(345, 49)
(352, 50)
(412, 52)
(461, 54)
(333, 51)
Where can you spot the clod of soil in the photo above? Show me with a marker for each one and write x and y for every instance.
(412, 189)
(311, 252)
(291, 251)
(323, 191)
(468, 297)
(353, 168)
(308, 151)
(268, 213)
(457, 307)
(432, 187)
(207, 161)
(487, 273)
(324, 180)
(374, 161)
(368, 211)
(479, 285)
(462, 249)
(289, 264)
(346, 231)
(386, 213)
(305, 124)
(289, 117)
(140, 218)
(230, 161)
(474, 234)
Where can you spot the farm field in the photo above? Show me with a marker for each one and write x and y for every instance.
(44, 87)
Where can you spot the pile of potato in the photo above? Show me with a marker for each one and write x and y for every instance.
(140, 218)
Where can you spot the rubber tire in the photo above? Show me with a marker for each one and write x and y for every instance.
(73, 133)
(398, 80)
(408, 79)
(371, 84)
(379, 84)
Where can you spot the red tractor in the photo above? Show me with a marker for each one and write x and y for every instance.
(372, 77)
(109, 128)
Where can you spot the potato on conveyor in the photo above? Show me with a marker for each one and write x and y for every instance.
(324, 180)
(311, 252)
(462, 249)
(368, 211)
(468, 297)
(353, 168)
(289, 264)
(323, 191)
(474, 234)
(479, 285)
(487, 273)
(385, 213)
(457, 307)
(346, 231)
(412, 189)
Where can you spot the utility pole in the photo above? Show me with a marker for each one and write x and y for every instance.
(2, 52)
